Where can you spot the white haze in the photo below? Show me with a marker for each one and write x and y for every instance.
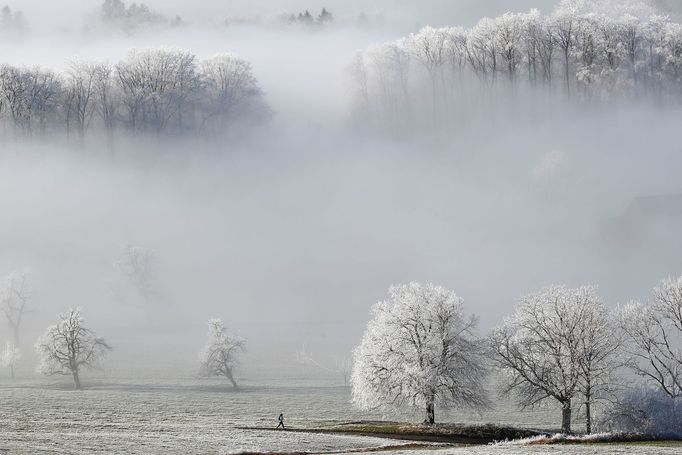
(292, 235)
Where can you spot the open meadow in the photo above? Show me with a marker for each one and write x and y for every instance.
(206, 417)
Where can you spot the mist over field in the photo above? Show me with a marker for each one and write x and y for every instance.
(292, 231)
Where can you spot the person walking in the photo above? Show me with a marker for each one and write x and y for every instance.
(281, 421)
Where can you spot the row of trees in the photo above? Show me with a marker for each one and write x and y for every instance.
(560, 344)
(115, 13)
(325, 17)
(158, 91)
(69, 347)
(578, 52)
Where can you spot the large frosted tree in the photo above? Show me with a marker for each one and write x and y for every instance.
(419, 350)
(69, 346)
(654, 337)
(559, 344)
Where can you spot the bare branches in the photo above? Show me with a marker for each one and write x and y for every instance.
(605, 54)
(558, 343)
(220, 355)
(68, 346)
(157, 91)
(654, 337)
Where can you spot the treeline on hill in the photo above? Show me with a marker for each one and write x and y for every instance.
(157, 91)
(305, 18)
(439, 78)
(129, 18)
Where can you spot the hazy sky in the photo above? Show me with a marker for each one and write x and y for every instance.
(291, 237)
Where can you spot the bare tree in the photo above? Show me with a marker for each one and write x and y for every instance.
(429, 48)
(13, 92)
(551, 348)
(344, 366)
(68, 346)
(532, 35)
(600, 344)
(230, 92)
(14, 297)
(509, 35)
(220, 355)
(43, 90)
(654, 337)
(81, 85)
(157, 85)
(107, 97)
(419, 349)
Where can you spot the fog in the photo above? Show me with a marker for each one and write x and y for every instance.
(293, 231)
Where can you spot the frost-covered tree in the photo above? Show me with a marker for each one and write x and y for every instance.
(80, 92)
(419, 350)
(69, 346)
(9, 357)
(157, 86)
(106, 97)
(607, 50)
(428, 47)
(552, 347)
(160, 91)
(14, 297)
(230, 92)
(510, 38)
(30, 97)
(600, 344)
(220, 355)
(654, 337)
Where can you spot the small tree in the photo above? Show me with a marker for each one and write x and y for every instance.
(220, 355)
(68, 346)
(419, 350)
(9, 357)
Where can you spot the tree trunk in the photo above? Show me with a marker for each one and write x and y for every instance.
(76, 379)
(588, 404)
(430, 412)
(231, 378)
(566, 417)
(567, 72)
(11, 371)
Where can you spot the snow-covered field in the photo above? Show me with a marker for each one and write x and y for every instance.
(202, 417)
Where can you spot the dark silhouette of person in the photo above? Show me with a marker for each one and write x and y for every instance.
(281, 420)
